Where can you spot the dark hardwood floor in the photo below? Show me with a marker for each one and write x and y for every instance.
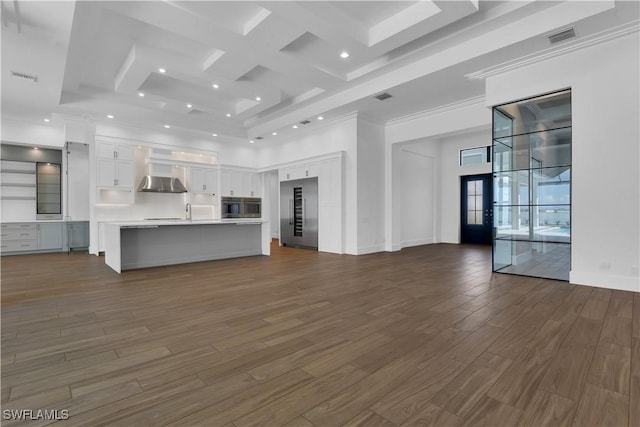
(425, 336)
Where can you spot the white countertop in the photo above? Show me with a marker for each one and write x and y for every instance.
(159, 222)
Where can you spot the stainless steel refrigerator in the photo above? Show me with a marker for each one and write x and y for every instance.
(299, 213)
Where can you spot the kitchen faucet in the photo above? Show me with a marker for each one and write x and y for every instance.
(188, 209)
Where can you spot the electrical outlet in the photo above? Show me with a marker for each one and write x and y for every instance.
(634, 271)
(605, 265)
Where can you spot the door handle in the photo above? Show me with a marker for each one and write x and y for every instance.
(290, 211)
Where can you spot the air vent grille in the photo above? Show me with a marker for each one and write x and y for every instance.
(259, 137)
(565, 34)
(383, 96)
(305, 122)
(25, 76)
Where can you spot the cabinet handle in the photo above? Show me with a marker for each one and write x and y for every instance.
(115, 181)
(287, 176)
(204, 187)
(24, 234)
(306, 173)
(25, 246)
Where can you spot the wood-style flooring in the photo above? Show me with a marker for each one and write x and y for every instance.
(427, 336)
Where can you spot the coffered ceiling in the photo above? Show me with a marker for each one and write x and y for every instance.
(241, 69)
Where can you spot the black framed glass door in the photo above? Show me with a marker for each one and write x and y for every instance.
(477, 209)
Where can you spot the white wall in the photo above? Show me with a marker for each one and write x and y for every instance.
(370, 186)
(606, 134)
(335, 136)
(24, 132)
(418, 189)
(451, 171)
(76, 185)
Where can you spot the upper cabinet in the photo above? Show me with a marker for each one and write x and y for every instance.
(241, 183)
(114, 165)
(299, 172)
(203, 180)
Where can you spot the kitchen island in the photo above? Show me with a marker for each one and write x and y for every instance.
(140, 244)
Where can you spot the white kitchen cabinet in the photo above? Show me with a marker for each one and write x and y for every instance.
(114, 173)
(114, 164)
(299, 172)
(239, 183)
(255, 185)
(112, 150)
(203, 180)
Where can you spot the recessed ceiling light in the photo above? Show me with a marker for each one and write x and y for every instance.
(295, 126)
(320, 118)
(162, 70)
(215, 86)
(228, 114)
(214, 134)
(274, 133)
(167, 126)
(35, 148)
(47, 120)
(251, 142)
(189, 106)
(110, 116)
(139, 147)
(258, 99)
(344, 55)
(141, 95)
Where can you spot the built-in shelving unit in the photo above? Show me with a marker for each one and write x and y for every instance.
(18, 180)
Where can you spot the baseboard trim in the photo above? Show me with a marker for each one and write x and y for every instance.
(417, 242)
(608, 281)
(371, 249)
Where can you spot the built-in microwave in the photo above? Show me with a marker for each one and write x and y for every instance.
(241, 207)
(231, 207)
(251, 207)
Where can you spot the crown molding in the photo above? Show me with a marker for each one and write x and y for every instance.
(552, 52)
(437, 110)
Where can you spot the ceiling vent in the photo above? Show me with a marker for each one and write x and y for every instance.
(565, 34)
(259, 137)
(305, 122)
(382, 96)
(25, 76)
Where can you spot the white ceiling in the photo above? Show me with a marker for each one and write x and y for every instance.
(94, 58)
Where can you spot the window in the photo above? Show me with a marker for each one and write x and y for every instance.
(474, 156)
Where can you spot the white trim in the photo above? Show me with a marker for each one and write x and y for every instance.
(436, 110)
(417, 242)
(552, 52)
(371, 249)
(301, 162)
(608, 281)
(149, 144)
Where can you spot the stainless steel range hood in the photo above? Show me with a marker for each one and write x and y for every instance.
(161, 184)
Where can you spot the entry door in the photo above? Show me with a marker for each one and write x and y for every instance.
(477, 209)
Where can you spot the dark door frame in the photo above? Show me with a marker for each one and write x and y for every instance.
(473, 233)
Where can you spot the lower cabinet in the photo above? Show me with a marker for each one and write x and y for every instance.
(77, 235)
(19, 237)
(49, 236)
(30, 237)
